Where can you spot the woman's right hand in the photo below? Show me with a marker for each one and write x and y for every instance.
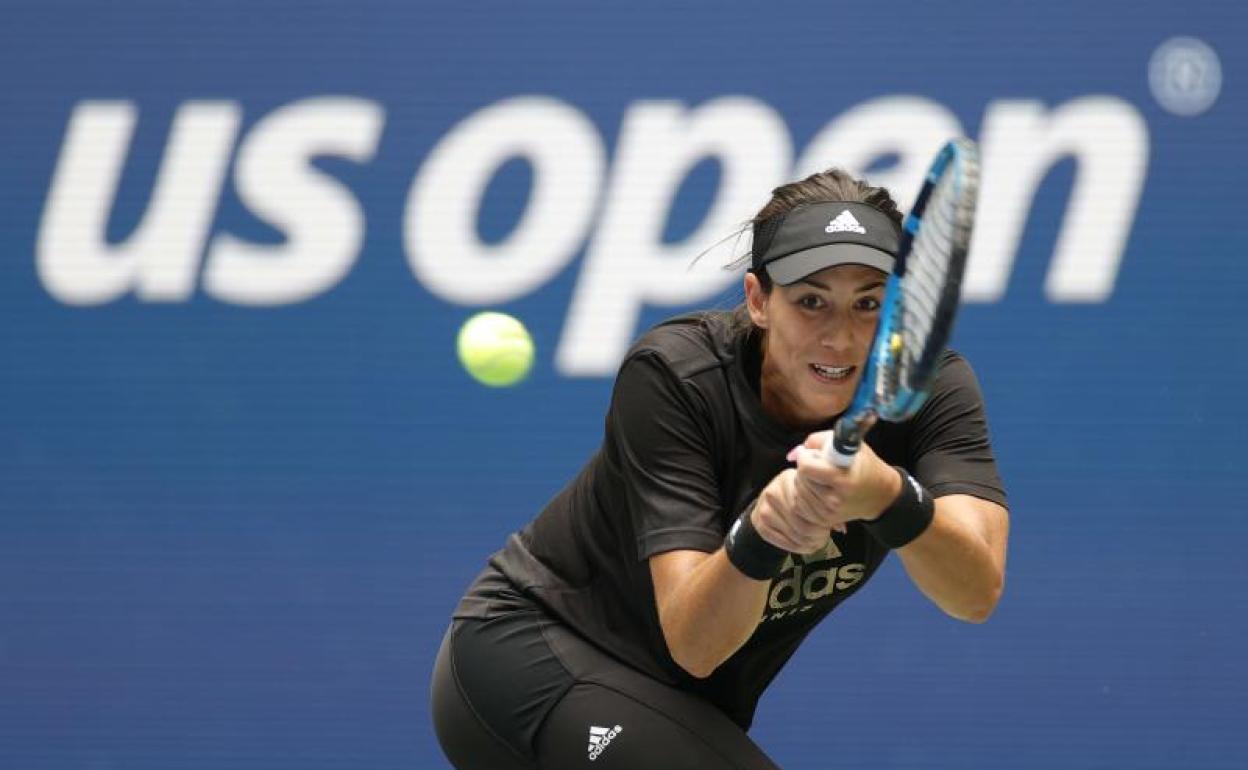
(787, 516)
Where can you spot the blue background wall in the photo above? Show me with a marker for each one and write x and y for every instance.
(231, 535)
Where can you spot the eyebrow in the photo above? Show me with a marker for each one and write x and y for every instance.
(864, 287)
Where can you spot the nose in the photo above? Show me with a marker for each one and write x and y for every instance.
(837, 334)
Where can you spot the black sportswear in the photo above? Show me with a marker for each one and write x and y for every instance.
(687, 446)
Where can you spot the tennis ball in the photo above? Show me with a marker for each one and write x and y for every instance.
(495, 348)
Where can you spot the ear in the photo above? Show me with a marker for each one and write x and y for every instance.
(756, 300)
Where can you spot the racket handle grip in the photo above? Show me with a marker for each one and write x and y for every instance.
(843, 444)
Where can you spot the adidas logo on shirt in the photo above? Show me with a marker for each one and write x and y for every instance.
(599, 737)
(845, 223)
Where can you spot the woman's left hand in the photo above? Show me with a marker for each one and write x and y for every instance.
(841, 495)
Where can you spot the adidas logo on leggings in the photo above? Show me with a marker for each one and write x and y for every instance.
(599, 737)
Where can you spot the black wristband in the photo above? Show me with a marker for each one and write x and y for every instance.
(906, 517)
(749, 552)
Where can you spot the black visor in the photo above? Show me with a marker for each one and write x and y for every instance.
(816, 236)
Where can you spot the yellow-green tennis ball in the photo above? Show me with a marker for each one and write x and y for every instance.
(495, 348)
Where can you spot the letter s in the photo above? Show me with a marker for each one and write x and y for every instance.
(323, 221)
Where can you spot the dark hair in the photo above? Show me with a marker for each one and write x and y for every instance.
(832, 185)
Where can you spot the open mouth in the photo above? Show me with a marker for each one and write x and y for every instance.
(832, 373)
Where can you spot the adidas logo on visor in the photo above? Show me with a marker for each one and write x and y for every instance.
(845, 223)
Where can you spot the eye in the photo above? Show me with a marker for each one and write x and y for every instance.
(810, 302)
(867, 304)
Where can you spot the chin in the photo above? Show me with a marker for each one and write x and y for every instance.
(829, 404)
(836, 408)
(823, 409)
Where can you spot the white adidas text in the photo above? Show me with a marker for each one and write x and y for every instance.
(599, 738)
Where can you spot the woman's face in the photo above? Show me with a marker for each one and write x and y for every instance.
(818, 332)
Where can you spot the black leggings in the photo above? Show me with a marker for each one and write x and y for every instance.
(521, 692)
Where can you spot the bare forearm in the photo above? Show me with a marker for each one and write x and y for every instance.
(954, 564)
(711, 614)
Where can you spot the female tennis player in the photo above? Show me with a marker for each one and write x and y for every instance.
(636, 621)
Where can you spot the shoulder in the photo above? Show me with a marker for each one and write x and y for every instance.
(686, 345)
(949, 446)
(954, 410)
(680, 368)
(953, 373)
(952, 363)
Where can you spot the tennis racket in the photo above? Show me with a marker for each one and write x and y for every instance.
(920, 300)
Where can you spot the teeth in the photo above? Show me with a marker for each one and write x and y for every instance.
(832, 372)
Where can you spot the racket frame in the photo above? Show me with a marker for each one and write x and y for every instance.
(894, 401)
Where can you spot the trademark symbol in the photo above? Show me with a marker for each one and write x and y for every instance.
(1185, 76)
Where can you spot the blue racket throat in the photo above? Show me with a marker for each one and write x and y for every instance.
(869, 396)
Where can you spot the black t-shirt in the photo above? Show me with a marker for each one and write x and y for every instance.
(687, 447)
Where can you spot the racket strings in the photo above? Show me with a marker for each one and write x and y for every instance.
(927, 276)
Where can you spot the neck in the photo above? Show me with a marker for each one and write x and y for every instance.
(776, 398)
